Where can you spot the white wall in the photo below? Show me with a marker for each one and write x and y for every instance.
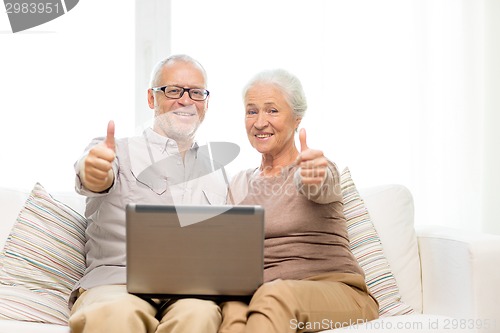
(152, 43)
(60, 83)
(400, 91)
(491, 155)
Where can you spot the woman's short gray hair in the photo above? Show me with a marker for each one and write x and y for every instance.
(288, 83)
(173, 58)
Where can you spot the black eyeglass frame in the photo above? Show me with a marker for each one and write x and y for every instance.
(183, 90)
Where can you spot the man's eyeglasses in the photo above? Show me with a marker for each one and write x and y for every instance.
(174, 92)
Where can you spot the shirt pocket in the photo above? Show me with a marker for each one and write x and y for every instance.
(154, 182)
(214, 198)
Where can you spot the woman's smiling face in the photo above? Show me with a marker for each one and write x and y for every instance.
(269, 120)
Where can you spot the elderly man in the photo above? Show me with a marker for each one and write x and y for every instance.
(163, 166)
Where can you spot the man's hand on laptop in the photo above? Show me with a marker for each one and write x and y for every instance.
(97, 168)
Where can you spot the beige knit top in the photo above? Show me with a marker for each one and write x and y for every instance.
(305, 229)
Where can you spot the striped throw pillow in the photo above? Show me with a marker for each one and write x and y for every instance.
(367, 248)
(41, 261)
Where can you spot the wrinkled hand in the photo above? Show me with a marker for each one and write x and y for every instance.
(312, 163)
(98, 175)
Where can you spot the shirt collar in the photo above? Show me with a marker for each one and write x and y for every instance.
(165, 144)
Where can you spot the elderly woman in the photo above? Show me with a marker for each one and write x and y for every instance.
(312, 280)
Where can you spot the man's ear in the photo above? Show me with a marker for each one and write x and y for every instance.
(151, 99)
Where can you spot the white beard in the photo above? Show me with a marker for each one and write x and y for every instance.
(180, 125)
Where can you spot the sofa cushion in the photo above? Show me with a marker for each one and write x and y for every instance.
(42, 257)
(392, 213)
(15, 326)
(367, 248)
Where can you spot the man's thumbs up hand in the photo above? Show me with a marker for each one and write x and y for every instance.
(312, 162)
(97, 169)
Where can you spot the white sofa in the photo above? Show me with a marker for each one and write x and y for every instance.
(450, 278)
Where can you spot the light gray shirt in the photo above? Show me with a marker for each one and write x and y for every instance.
(147, 169)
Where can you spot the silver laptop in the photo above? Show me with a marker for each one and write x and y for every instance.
(194, 251)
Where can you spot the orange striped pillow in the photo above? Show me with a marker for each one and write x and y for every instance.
(367, 248)
(42, 260)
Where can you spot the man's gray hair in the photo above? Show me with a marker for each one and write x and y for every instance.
(288, 83)
(174, 58)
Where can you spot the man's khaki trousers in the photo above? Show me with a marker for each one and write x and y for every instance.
(111, 309)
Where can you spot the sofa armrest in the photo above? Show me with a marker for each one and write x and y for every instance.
(460, 275)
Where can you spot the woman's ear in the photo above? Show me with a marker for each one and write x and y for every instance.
(297, 123)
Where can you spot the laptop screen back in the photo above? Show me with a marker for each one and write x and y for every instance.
(194, 251)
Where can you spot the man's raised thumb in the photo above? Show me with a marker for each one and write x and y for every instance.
(110, 137)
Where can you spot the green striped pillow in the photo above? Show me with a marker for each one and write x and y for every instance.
(42, 260)
(367, 248)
